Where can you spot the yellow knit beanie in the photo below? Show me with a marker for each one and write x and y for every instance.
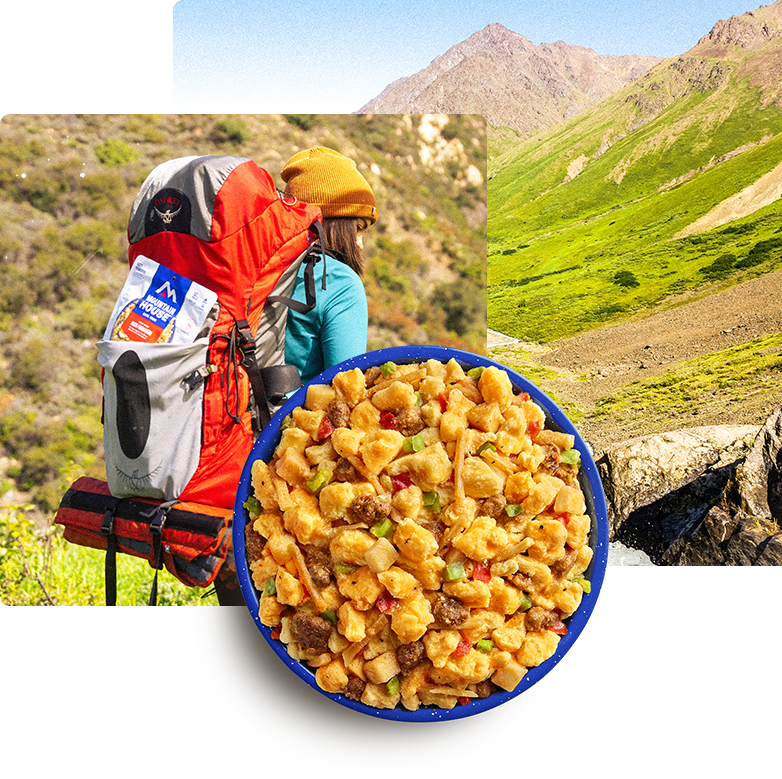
(326, 178)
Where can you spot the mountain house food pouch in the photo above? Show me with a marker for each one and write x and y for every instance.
(158, 305)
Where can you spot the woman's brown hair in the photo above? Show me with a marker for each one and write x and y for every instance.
(342, 239)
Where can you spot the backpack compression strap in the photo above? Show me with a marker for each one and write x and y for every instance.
(278, 380)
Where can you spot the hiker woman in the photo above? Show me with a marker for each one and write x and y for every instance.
(336, 329)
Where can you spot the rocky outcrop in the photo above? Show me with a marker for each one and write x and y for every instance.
(704, 496)
(744, 31)
(743, 527)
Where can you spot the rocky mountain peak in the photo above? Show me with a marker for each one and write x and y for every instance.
(511, 81)
(747, 31)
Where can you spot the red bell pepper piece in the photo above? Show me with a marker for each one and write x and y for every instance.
(533, 428)
(462, 648)
(387, 602)
(560, 628)
(326, 429)
(388, 421)
(401, 481)
(481, 573)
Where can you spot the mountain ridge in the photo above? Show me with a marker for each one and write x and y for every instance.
(558, 79)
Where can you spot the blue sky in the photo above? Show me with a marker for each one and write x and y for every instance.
(332, 56)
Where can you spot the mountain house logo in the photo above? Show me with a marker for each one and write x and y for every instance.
(168, 210)
(167, 291)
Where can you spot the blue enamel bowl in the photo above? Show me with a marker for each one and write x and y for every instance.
(590, 484)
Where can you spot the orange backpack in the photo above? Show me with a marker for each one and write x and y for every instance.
(193, 355)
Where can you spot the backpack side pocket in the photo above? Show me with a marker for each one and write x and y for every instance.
(153, 415)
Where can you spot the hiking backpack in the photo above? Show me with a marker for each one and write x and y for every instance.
(193, 355)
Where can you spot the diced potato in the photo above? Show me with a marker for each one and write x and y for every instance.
(562, 441)
(432, 413)
(268, 524)
(377, 695)
(293, 437)
(310, 421)
(351, 622)
(319, 454)
(453, 372)
(263, 486)
(509, 676)
(486, 417)
(381, 556)
(431, 388)
(346, 442)
(280, 547)
(319, 396)
(382, 668)
(293, 467)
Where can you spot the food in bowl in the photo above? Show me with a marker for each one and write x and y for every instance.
(419, 536)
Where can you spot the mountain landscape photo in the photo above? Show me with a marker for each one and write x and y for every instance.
(635, 241)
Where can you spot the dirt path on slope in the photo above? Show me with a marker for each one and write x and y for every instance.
(612, 357)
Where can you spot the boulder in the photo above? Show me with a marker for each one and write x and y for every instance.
(742, 527)
(660, 484)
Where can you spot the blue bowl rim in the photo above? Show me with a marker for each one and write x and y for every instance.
(555, 419)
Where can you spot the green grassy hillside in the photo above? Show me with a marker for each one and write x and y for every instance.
(583, 221)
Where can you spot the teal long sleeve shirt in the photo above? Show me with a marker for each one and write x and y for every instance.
(336, 329)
